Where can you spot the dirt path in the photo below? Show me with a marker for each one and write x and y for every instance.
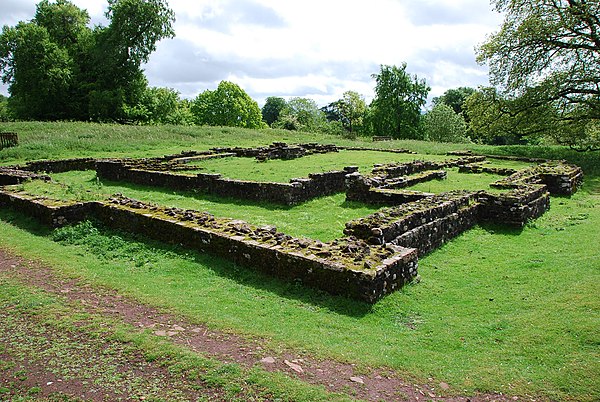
(376, 385)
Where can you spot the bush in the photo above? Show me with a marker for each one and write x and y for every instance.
(443, 124)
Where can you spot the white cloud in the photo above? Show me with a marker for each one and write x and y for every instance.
(311, 48)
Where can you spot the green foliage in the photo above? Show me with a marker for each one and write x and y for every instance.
(546, 57)
(498, 120)
(155, 106)
(301, 114)
(396, 109)
(272, 109)
(59, 68)
(4, 111)
(349, 111)
(443, 124)
(455, 98)
(229, 106)
(506, 287)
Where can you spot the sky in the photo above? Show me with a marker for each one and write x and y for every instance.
(316, 49)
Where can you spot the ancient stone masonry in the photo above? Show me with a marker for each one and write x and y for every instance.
(392, 170)
(294, 192)
(424, 224)
(480, 168)
(347, 266)
(380, 252)
(425, 221)
(53, 213)
(279, 150)
(559, 177)
(15, 175)
(61, 165)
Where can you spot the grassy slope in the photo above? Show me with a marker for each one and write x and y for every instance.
(496, 310)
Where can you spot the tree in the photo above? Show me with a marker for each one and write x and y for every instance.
(4, 112)
(396, 109)
(495, 119)
(228, 105)
(349, 111)
(155, 106)
(272, 109)
(59, 68)
(301, 114)
(443, 124)
(547, 55)
(455, 98)
(38, 70)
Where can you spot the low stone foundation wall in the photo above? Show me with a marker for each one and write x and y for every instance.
(389, 224)
(367, 190)
(13, 175)
(295, 192)
(479, 168)
(61, 165)
(347, 266)
(404, 169)
(52, 213)
(516, 207)
(279, 150)
(560, 178)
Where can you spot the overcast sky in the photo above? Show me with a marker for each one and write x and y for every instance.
(309, 48)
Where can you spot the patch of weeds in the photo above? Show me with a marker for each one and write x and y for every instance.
(110, 245)
(410, 320)
(20, 375)
(34, 390)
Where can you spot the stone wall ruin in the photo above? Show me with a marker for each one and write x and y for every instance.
(379, 253)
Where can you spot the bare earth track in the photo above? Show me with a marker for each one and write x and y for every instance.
(336, 376)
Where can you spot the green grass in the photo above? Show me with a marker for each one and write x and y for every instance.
(497, 310)
(458, 181)
(322, 218)
(282, 171)
(42, 332)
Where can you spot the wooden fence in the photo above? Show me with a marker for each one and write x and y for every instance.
(8, 140)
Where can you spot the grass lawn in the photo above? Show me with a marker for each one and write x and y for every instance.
(282, 171)
(497, 310)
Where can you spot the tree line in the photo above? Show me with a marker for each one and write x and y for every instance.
(544, 65)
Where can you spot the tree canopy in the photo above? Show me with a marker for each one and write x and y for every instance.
(443, 124)
(350, 111)
(547, 55)
(228, 105)
(396, 109)
(301, 114)
(455, 98)
(57, 67)
(272, 109)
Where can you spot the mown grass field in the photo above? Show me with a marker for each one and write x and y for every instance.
(496, 310)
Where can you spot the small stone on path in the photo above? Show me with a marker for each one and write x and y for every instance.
(444, 386)
(357, 379)
(296, 367)
(160, 333)
(268, 360)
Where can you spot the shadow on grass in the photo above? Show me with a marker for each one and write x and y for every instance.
(203, 196)
(498, 228)
(223, 268)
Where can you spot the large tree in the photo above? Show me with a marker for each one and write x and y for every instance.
(228, 105)
(350, 111)
(301, 114)
(455, 98)
(399, 97)
(58, 67)
(272, 109)
(547, 54)
(443, 124)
